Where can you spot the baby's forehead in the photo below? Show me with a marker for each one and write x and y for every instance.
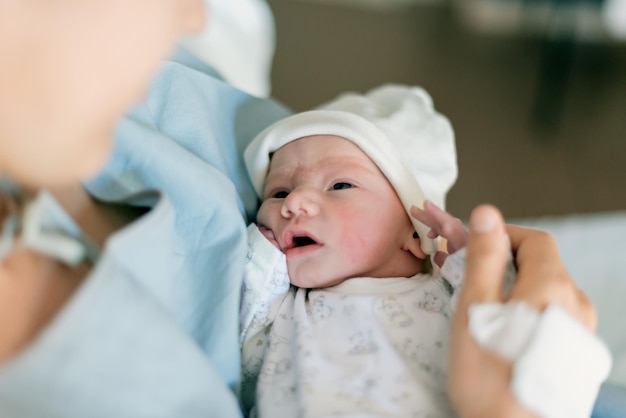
(319, 153)
(318, 150)
(320, 143)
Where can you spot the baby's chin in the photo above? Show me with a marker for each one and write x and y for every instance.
(306, 281)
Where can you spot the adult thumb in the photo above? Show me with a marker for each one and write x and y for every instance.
(487, 249)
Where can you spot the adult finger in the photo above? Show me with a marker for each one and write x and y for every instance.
(538, 263)
(487, 248)
(543, 278)
(533, 244)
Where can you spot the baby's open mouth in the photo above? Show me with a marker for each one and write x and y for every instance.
(303, 241)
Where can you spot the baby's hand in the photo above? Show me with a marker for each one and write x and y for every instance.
(442, 224)
(269, 234)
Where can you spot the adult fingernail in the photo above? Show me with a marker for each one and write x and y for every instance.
(483, 219)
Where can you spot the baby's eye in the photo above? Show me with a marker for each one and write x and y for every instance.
(341, 186)
(281, 194)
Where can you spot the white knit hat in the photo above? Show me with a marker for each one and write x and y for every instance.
(396, 126)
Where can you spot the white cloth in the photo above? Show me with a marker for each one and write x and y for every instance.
(368, 347)
(614, 15)
(239, 41)
(396, 126)
(558, 364)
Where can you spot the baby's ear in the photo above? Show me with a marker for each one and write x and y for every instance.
(413, 244)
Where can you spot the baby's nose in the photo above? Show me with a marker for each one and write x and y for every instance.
(300, 202)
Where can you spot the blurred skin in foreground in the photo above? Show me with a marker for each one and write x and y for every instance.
(69, 69)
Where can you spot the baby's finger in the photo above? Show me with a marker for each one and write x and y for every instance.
(487, 249)
(427, 219)
(451, 228)
(439, 258)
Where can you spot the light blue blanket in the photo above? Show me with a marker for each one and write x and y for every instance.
(154, 330)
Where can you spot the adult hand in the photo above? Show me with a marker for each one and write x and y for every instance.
(479, 380)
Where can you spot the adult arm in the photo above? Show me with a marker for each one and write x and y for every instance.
(34, 287)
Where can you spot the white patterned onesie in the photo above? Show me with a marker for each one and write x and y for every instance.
(368, 347)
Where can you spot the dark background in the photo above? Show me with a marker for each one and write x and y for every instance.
(540, 120)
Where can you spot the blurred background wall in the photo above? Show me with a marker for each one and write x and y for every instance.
(536, 90)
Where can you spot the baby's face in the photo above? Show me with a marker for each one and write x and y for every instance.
(335, 215)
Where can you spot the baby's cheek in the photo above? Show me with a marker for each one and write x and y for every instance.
(269, 216)
(355, 238)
